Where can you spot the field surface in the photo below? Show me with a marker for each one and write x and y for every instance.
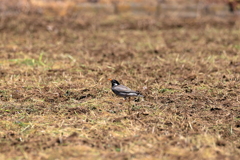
(56, 101)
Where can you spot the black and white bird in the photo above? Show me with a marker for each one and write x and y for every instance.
(123, 91)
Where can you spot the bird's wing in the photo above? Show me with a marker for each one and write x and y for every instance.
(122, 88)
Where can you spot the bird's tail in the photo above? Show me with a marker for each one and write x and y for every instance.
(139, 94)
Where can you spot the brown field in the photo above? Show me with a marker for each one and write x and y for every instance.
(56, 101)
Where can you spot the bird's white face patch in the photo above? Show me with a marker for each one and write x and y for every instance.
(115, 84)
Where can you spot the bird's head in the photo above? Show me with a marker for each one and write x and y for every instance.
(114, 82)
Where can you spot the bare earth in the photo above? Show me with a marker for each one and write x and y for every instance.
(56, 101)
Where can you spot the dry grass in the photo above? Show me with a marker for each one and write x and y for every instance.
(56, 101)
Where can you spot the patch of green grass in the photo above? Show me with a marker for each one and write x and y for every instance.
(30, 61)
(237, 47)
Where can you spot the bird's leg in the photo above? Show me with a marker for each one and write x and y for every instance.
(129, 106)
(129, 109)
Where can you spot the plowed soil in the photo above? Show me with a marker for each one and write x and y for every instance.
(56, 101)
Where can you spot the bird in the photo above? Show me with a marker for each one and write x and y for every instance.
(123, 91)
